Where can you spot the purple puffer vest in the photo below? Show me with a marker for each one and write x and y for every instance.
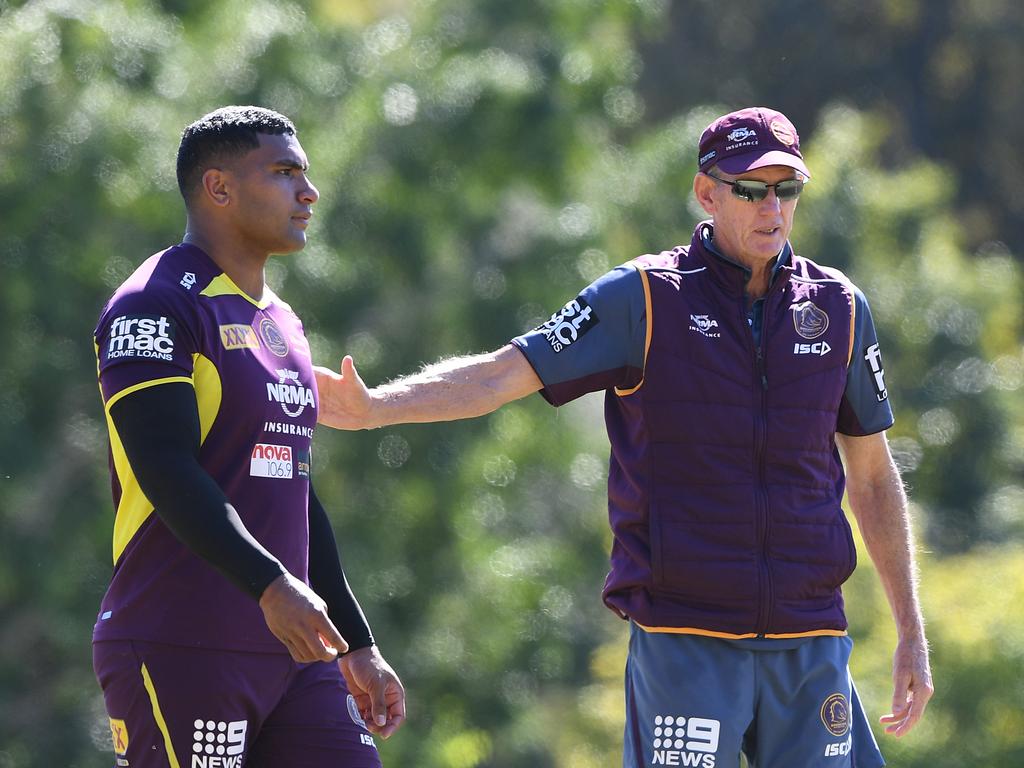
(725, 484)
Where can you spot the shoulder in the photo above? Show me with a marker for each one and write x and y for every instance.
(670, 268)
(678, 258)
(168, 282)
(273, 298)
(809, 270)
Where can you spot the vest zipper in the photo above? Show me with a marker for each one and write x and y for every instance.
(766, 608)
(765, 590)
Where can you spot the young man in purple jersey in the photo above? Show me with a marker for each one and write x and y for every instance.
(228, 636)
(744, 394)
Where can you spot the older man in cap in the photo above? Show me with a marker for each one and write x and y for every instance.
(744, 394)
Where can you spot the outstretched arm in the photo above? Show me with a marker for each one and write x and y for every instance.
(457, 388)
(880, 506)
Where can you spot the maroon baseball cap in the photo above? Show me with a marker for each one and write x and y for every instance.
(750, 138)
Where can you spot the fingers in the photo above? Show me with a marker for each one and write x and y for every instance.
(297, 616)
(396, 717)
(378, 705)
(305, 648)
(324, 374)
(909, 702)
(331, 638)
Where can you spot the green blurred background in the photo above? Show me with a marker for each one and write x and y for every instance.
(480, 162)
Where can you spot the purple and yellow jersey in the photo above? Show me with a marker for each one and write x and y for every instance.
(179, 318)
(598, 341)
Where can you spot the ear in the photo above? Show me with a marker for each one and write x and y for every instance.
(215, 187)
(703, 185)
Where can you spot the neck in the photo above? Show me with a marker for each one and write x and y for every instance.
(760, 272)
(244, 267)
(760, 277)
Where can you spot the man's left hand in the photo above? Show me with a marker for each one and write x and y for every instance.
(377, 690)
(912, 685)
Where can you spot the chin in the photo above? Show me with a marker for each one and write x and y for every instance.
(291, 245)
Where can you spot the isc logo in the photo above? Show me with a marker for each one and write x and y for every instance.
(820, 348)
(839, 748)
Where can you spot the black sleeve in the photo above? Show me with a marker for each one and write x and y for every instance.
(159, 429)
(327, 578)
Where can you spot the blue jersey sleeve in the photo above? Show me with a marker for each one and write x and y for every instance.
(865, 408)
(594, 342)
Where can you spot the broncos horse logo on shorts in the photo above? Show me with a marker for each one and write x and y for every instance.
(835, 714)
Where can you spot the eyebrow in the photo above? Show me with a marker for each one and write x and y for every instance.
(291, 163)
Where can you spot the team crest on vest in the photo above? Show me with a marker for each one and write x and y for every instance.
(809, 321)
(835, 714)
(273, 338)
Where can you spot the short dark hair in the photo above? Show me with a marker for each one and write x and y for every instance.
(222, 134)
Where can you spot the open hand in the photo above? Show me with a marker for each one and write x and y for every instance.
(344, 399)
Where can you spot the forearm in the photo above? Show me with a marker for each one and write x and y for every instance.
(327, 577)
(880, 506)
(195, 510)
(159, 430)
(457, 388)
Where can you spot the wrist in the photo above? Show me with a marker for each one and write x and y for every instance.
(355, 647)
(261, 585)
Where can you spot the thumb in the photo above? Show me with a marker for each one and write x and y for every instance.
(331, 638)
(348, 368)
(378, 703)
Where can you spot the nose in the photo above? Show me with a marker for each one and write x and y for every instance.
(771, 201)
(310, 194)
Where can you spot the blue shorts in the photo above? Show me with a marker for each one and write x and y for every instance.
(700, 701)
(176, 707)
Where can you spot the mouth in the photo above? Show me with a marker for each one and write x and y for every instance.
(302, 218)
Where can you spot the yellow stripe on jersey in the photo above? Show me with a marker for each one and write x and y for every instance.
(744, 636)
(158, 715)
(143, 385)
(650, 331)
(134, 508)
(206, 380)
(222, 285)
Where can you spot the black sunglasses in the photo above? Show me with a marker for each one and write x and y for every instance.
(756, 191)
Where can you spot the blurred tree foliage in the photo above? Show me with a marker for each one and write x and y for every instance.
(479, 162)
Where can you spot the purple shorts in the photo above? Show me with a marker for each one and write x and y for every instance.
(176, 707)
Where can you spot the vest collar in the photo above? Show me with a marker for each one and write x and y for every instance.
(730, 274)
